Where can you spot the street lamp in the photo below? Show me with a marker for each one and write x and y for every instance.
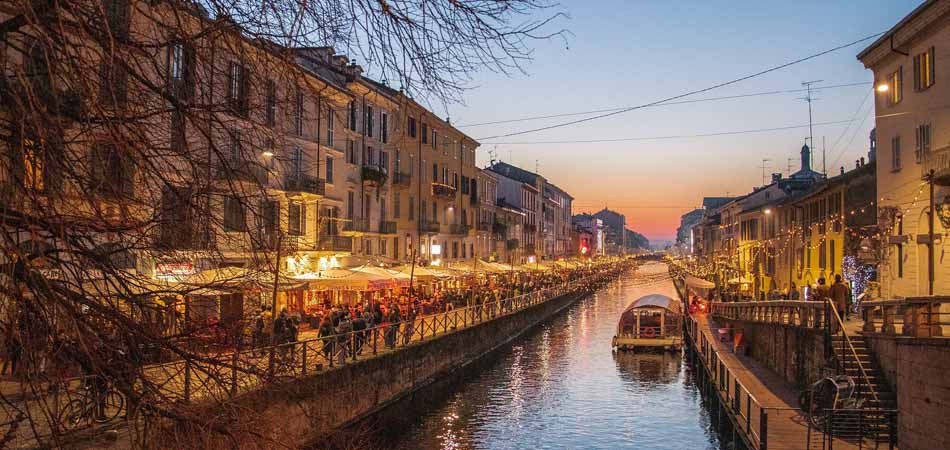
(883, 87)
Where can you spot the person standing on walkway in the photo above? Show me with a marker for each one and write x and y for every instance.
(325, 333)
(839, 294)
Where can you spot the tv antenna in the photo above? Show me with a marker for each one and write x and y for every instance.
(808, 98)
(764, 165)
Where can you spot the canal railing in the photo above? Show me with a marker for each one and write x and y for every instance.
(801, 314)
(223, 376)
(923, 317)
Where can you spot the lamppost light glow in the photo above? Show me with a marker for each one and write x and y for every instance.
(883, 87)
(768, 211)
(267, 154)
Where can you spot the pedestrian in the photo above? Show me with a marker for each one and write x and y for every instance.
(840, 292)
(325, 333)
(12, 350)
(793, 292)
(359, 334)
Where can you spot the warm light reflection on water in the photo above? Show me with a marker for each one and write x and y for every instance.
(561, 387)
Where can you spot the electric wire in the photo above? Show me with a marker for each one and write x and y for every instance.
(699, 100)
(676, 97)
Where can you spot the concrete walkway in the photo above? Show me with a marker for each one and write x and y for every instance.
(787, 428)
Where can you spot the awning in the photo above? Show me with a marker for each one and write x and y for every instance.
(347, 280)
(699, 283)
(420, 272)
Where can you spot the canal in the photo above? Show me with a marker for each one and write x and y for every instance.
(561, 387)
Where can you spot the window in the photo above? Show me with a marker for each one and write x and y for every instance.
(296, 219)
(350, 151)
(330, 169)
(412, 208)
(382, 247)
(922, 136)
(900, 248)
(412, 127)
(425, 133)
(112, 171)
(234, 214)
(924, 70)
(368, 121)
(822, 253)
(435, 173)
(896, 80)
(238, 84)
(234, 147)
(298, 112)
(352, 116)
(384, 128)
(831, 255)
(180, 64)
(329, 127)
(435, 137)
(464, 184)
(117, 15)
(297, 161)
(384, 161)
(895, 153)
(423, 213)
(177, 129)
(349, 205)
(270, 103)
(396, 205)
(455, 180)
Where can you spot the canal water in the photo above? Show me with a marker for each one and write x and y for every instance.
(561, 387)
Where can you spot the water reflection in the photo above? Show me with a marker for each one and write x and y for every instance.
(561, 387)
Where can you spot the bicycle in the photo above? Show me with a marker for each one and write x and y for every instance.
(91, 407)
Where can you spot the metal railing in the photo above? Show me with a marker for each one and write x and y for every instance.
(228, 374)
(801, 314)
(335, 243)
(936, 161)
(387, 227)
(459, 228)
(847, 351)
(911, 317)
(305, 183)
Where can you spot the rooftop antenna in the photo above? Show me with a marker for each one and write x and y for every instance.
(824, 169)
(764, 160)
(808, 98)
(537, 165)
(790, 166)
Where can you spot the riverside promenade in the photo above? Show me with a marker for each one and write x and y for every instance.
(383, 363)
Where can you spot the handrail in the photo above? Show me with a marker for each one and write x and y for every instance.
(847, 339)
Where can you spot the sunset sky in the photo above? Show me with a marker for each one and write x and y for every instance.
(624, 53)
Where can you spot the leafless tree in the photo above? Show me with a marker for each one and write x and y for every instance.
(132, 133)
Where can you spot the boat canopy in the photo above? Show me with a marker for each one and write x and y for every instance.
(655, 300)
(698, 283)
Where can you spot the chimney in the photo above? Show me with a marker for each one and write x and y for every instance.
(862, 161)
(842, 170)
(776, 177)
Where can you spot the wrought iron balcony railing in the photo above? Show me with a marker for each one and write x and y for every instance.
(401, 179)
(387, 227)
(459, 229)
(305, 183)
(938, 162)
(335, 243)
(374, 174)
(428, 226)
(356, 226)
(483, 226)
(248, 171)
(444, 191)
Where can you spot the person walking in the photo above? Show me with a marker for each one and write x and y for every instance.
(325, 333)
(840, 292)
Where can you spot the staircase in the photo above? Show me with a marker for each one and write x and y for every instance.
(876, 382)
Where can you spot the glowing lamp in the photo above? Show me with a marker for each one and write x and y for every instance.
(883, 87)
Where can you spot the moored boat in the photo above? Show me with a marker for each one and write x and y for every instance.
(652, 321)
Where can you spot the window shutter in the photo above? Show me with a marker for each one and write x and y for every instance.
(917, 74)
(931, 66)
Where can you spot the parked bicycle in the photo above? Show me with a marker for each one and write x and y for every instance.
(97, 403)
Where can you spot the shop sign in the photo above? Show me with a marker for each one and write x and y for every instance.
(174, 269)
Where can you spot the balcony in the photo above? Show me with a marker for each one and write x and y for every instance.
(443, 191)
(460, 229)
(248, 171)
(356, 226)
(401, 180)
(387, 227)
(499, 229)
(426, 226)
(305, 184)
(374, 174)
(484, 226)
(512, 244)
(473, 200)
(335, 243)
(937, 161)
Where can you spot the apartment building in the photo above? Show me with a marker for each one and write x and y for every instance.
(911, 76)
(523, 190)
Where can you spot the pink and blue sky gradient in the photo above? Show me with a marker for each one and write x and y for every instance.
(632, 52)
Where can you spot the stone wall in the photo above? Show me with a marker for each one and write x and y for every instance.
(919, 368)
(296, 414)
(797, 355)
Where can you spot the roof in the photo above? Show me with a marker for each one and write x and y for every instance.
(890, 33)
(514, 172)
(657, 300)
(501, 203)
(716, 202)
